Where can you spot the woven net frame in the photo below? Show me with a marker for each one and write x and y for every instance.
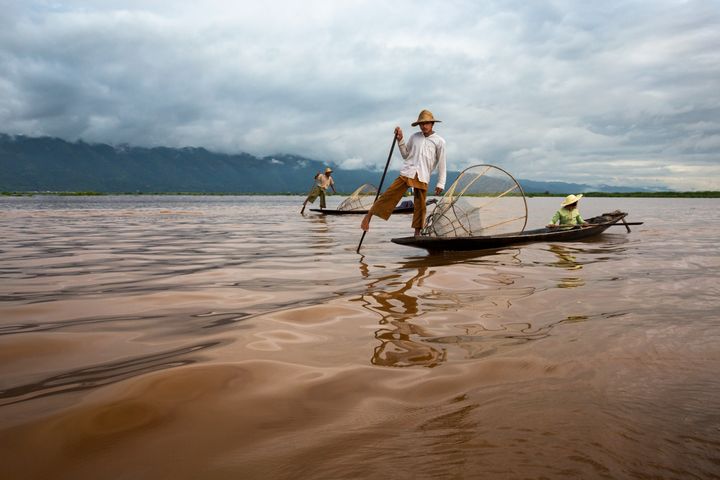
(361, 199)
(483, 200)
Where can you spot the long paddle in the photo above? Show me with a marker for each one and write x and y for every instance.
(380, 186)
(623, 224)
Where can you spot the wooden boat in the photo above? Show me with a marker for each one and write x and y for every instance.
(596, 225)
(404, 207)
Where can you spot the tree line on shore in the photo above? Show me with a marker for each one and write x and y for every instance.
(35, 165)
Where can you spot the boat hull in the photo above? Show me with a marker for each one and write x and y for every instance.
(327, 211)
(596, 226)
(397, 210)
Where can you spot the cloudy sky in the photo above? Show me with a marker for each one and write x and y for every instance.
(608, 92)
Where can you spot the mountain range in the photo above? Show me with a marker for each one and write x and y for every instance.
(47, 164)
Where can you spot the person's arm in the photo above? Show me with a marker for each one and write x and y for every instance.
(332, 185)
(404, 149)
(554, 219)
(441, 163)
(580, 220)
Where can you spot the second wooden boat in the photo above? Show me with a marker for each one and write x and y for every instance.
(596, 225)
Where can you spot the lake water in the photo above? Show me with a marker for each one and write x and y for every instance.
(192, 337)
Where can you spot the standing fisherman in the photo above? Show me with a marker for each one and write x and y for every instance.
(423, 153)
(322, 182)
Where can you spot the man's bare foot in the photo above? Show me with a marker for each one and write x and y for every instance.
(302, 211)
(365, 224)
(417, 232)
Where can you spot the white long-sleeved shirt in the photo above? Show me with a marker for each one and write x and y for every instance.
(422, 155)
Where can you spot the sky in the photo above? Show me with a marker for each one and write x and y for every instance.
(611, 92)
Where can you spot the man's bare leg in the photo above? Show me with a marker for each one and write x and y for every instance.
(303, 208)
(365, 224)
(417, 232)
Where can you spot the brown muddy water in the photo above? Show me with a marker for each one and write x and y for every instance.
(232, 338)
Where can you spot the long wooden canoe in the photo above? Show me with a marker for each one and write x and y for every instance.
(596, 225)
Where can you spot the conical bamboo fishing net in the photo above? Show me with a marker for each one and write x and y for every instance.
(484, 200)
(361, 199)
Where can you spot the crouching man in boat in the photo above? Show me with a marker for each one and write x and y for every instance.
(569, 214)
(423, 153)
(322, 182)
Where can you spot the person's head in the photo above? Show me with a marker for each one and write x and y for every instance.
(426, 122)
(571, 201)
(328, 171)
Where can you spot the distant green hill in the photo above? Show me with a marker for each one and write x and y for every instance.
(52, 164)
(41, 164)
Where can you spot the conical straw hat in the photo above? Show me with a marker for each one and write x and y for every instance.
(570, 199)
(425, 116)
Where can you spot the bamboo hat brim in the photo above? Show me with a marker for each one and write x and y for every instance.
(570, 199)
(425, 116)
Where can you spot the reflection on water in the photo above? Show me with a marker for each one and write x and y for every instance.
(397, 299)
(479, 341)
(391, 299)
(566, 260)
(231, 337)
(397, 349)
(565, 257)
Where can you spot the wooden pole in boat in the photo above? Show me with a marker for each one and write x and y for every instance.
(387, 164)
(624, 223)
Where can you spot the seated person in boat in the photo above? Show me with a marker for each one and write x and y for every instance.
(322, 182)
(568, 214)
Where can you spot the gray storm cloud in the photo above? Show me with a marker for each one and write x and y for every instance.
(618, 93)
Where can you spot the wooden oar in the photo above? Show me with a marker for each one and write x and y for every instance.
(387, 164)
(626, 224)
(623, 224)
